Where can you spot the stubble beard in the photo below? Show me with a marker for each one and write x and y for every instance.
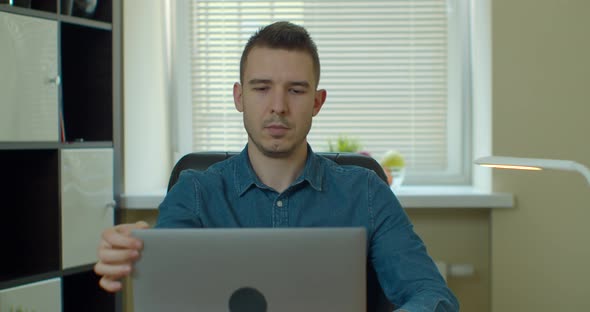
(275, 150)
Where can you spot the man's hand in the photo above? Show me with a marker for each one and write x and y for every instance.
(117, 252)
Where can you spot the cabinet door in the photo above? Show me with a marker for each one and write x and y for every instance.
(29, 79)
(86, 202)
(43, 296)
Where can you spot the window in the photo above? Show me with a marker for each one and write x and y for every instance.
(397, 75)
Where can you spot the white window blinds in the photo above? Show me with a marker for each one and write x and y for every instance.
(391, 70)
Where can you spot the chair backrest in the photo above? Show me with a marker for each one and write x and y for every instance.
(376, 299)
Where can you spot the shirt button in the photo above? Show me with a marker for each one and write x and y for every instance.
(280, 203)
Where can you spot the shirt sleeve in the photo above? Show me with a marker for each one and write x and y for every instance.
(181, 206)
(407, 274)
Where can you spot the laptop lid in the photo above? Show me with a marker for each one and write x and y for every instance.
(254, 270)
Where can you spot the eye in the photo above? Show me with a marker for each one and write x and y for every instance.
(297, 91)
(261, 89)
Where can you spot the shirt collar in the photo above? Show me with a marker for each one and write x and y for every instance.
(245, 177)
(313, 170)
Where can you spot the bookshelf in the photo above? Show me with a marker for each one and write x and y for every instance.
(60, 139)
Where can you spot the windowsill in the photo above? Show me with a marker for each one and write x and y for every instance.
(451, 197)
(410, 197)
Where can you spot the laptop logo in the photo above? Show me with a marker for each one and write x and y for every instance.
(247, 299)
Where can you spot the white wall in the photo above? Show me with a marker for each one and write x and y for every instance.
(541, 104)
(146, 135)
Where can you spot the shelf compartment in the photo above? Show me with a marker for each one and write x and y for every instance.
(87, 83)
(44, 5)
(30, 191)
(40, 5)
(81, 292)
(102, 11)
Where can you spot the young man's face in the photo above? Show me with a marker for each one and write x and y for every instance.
(278, 99)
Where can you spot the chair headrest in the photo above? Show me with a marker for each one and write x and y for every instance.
(202, 161)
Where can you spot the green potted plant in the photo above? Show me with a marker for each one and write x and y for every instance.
(395, 166)
(344, 144)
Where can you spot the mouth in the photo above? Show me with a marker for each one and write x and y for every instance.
(276, 130)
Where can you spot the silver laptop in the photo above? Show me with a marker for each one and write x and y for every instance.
(254, 270)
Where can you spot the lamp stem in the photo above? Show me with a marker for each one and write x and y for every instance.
(583, 170)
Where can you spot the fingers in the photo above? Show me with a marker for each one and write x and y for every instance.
(117, 252)
(128, 227)
(112, 271)
(116, 256)
(142, 225)
(115, 265)
(110, 285)
(120, 236)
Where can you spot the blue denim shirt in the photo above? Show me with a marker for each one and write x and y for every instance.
(229, 194)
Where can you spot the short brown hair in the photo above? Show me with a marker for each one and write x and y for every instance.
(282, 35)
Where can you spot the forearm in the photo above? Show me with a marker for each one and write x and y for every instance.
(436, 300)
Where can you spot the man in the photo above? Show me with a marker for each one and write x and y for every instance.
(277, 180)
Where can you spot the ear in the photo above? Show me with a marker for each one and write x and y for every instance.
(238, 97)
(320, 98)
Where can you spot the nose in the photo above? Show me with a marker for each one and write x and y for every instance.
(279, 103)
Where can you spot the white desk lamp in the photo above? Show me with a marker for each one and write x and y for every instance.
(533, 164)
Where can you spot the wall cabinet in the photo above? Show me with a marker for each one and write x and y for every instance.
(60, 99)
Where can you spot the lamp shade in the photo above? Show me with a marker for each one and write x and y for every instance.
(533, 164)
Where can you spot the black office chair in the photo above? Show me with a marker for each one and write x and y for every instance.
(376, 300)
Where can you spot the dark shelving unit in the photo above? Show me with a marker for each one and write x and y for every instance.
(34, 172)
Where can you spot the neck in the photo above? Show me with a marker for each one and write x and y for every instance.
(278, 173)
